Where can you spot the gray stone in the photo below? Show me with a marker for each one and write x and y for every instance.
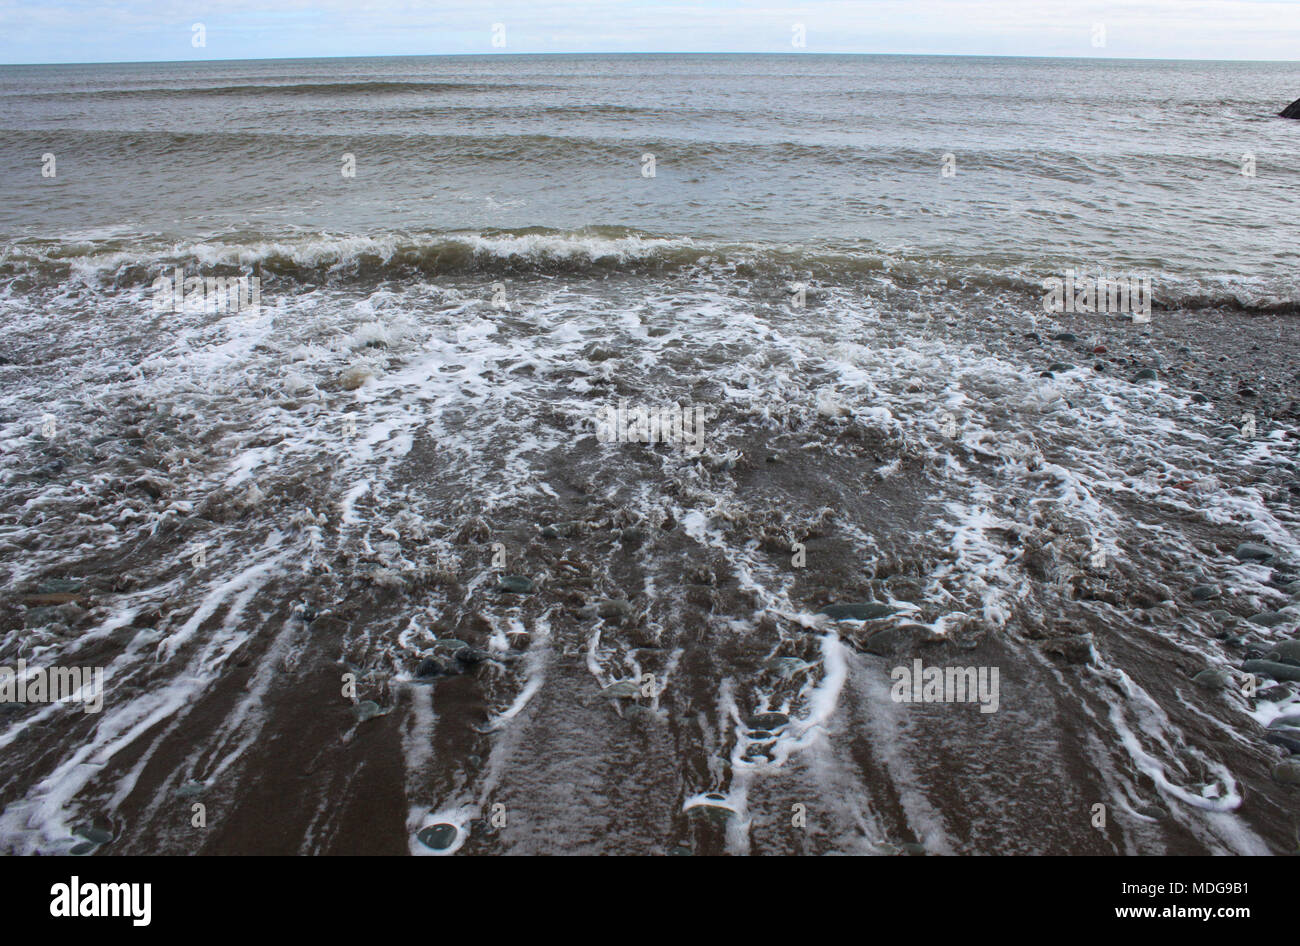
(609, 608)
(59, 586)
(561, 530)
(515, 584)
(368, 709)
(864, 611)
(892, 640)
(1270, 618)
(1287, 771)
(1284, 652)
(622, 690)
(92, 834)
(1213, 679)
(1272, 669)
(1253, 552)
(438, 837)
(1286, 739)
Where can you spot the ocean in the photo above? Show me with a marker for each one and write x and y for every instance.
(603, 453)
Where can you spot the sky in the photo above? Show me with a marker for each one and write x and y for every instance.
(62, 31)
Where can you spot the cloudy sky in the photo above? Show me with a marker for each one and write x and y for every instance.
(132, 30)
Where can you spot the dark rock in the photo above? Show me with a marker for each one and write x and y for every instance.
(1073, 650)
(367, 710)
(1204, 592)
(60, 586)
(1287, 771)
(1290, 743)
(559, 530)
(1059, 366)
(865, 611)
(93, 834)
(1287, 652)
(892, 640)
(1146, 374)
(437, 837)
(611, 609)
(1064, 337)
(432, 667)
(1253, 552)
(1272, 669)
(515, 584)
(767, 721)
(39, 617)
(1270, 618)
(1213, 679)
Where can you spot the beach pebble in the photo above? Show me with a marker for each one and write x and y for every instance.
(622, 690)
(1270, 618)
(432, 667)
(1146, 374)
(1272, 669)
(1213, 679)
(438, 837)
(92, 834)
(515, 584)
(892, 640)
(609, 608)
(1284, 652)
(1285, 739)
(1204, 592)
(864, 611)
(61, 586)
(368, 709)
(1253, 552)
(558, 530)
(1287, 771)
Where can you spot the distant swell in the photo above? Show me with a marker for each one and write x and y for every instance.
(297, 88)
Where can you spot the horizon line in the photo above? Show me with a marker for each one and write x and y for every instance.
(483, 55)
